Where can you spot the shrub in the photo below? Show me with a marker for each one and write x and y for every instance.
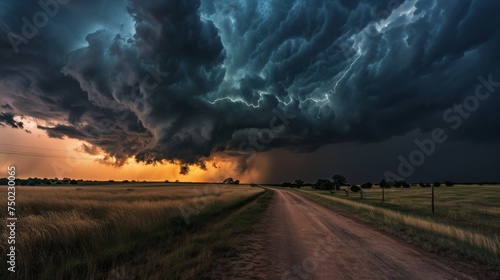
(324, 184)
(355, 188)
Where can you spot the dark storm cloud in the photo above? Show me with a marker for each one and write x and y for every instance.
(177, 81)
(8, 119)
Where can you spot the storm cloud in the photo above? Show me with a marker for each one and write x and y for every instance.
(181, 81)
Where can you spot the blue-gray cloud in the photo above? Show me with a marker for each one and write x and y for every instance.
(181, 80)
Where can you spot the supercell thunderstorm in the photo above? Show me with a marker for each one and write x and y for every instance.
(181, 81)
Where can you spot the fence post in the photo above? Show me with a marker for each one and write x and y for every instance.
(433, 199)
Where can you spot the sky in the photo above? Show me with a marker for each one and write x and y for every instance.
(262, 91)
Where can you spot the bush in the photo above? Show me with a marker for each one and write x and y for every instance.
(355, 188)
(324, 184)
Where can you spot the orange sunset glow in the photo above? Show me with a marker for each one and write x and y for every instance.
(36, 155)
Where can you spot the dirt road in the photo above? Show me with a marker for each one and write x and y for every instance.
(301, 239)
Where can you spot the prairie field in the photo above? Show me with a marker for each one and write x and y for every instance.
(466, 220)
(123, 231)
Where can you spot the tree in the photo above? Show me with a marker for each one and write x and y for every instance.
(437, 184)
(385, 185)
(323, 184)
(338, 181)
(236, 182)
(299, 183)
(448, 183)
(355, 188)
(228, 181)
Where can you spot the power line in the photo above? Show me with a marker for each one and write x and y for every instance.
(43, 155)
(40, 148)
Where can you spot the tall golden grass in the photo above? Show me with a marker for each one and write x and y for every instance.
(55, 224)
(491, 244)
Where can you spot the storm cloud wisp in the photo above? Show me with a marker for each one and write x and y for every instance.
(180, 81)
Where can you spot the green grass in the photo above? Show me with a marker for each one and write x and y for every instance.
(466, 223)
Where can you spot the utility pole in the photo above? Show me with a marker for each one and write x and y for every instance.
(433, 199)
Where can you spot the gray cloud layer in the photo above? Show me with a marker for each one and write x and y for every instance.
(180, 80)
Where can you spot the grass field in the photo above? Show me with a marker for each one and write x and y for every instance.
(122, 231)
(466, 222)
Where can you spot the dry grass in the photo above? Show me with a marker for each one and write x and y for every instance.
(466, 222)
(91, 228)
(491, 244)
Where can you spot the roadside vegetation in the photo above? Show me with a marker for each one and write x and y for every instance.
(122, 232)
(465, 223)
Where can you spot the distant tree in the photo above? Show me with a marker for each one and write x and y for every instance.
(228, 181)
(299, 183)
(406, 185)
(397, 184)
(286, 184)
(125, 181)
(73, 182)
(355, 188)
(384, 184)
(448, 183)
(437, 184)
(323, 184)
(338, 181)
(236, 182)
(167, 181)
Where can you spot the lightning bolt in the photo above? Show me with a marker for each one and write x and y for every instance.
(235, 100)
(327, 96)
(345, 73)
(309, 99)
(240, 100)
